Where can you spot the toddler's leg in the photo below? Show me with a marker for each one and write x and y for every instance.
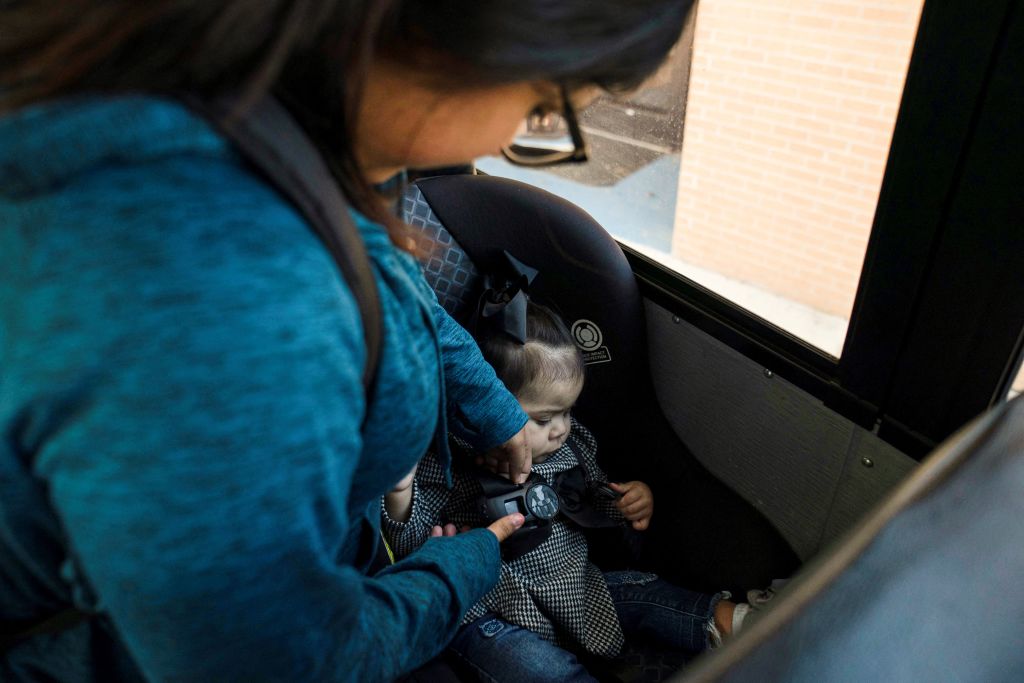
(497, 652)
(664, 614)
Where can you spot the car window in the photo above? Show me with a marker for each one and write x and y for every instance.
(751, 162)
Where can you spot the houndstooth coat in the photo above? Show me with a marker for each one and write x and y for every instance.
(553, 590)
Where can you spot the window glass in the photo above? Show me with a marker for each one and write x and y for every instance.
(752, 161)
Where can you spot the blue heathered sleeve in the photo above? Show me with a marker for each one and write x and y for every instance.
(481, 410)
(203, 449)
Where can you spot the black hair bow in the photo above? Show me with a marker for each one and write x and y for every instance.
(502, 306)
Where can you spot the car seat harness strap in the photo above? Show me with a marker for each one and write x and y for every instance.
(572, 494)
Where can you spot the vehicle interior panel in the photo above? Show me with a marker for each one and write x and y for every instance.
(936, 552)
(777, 446)
(863, 485)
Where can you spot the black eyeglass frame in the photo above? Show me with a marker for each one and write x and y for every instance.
(576, 156)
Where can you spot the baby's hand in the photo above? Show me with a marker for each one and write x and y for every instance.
(636, 504)
(405, 482)
(398, 501)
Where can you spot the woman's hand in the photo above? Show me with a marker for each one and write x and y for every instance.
(636, 504)
(511, 459)
(502, 528)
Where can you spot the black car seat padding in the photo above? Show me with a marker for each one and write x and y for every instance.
(703, 535)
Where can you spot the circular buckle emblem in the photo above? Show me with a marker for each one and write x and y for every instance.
(587, 335)
(542, 501)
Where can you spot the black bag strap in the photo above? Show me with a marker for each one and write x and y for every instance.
(12, 633)
(270, 139)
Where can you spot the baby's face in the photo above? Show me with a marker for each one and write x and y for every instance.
(548, 407)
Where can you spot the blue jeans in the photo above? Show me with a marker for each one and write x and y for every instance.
(650, 610)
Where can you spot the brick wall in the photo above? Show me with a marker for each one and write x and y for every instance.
(789, 117)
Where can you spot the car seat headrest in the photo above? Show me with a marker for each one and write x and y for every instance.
(466, 224)
(446, 266)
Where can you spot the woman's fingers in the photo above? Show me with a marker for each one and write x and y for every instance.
(520, 459)
(449, 530)
(511, 459)
(506, 526)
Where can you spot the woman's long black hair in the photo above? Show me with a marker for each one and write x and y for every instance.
(315, 53)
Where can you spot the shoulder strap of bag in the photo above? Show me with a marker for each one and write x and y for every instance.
(275, 145)
(12, 633)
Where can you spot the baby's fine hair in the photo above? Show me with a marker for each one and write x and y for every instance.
(549, 355)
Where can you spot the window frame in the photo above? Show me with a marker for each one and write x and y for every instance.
(946, 198)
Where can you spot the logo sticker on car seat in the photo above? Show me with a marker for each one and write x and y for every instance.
(589, 338)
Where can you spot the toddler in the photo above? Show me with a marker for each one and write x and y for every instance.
(550, 600)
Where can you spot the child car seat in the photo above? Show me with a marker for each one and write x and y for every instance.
(703, 535)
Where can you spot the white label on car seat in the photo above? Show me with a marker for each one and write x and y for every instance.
(589, 338)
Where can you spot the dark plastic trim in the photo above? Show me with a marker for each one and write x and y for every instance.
(940, 312)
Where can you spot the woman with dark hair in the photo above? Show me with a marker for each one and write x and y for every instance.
(190, 465)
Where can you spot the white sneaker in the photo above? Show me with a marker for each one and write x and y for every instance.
(756, 601)
(759, 598)
(739, 615)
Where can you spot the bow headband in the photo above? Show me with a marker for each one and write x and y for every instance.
(502, 305)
